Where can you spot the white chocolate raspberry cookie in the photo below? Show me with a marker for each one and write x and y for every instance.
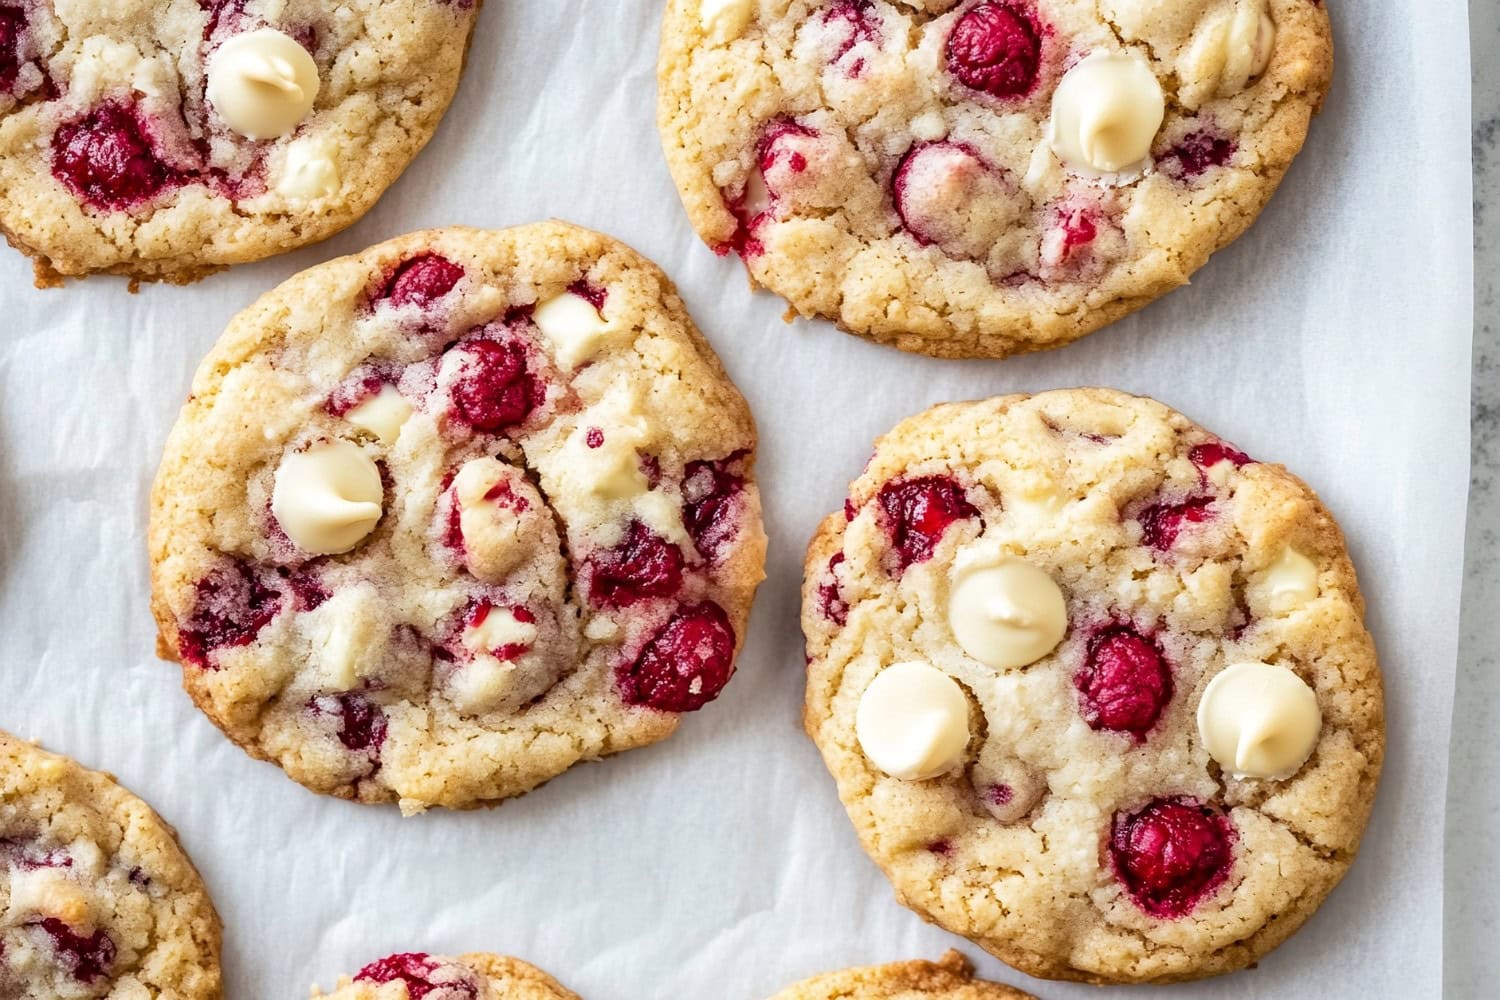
(1094, 685)
(949, 978)
(442, 519)
(416, 976)
(97, 900)
(166, 141)
(982, 178)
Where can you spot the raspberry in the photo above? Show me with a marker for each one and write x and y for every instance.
(106, 159)
(710, 508)
(416, 972)
(643, 565)
(1211, 453)
(87, 958)
(422, 280)
(1125, 684)
(918, 512)
(1170, 854)
(362, 725)
(1161, 523)
(1195, 154)
(496, 390)
(997, 49)
(232, 605)
(12, 26)
(686, 664)
(830, 601)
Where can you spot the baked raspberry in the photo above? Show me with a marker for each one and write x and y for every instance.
(422, 280)
(415, 971)
(851, 22)
(830, 600)
(592, 294)
(1211, 453)
(362, 724)
(643, 565)
(12, 25)
(106, 159)
(474, 615)
(231, 606)
(996, 48)
(220, 13)
(948, 196)
(918, 512)
(1125, 683)
(354, 390)
(999, 794)
(1161, 523)
(1170, 854)
(86, 958)
(686, 664)
(308, 591)
(496, 390)
(710, 509)
(1195, 154)
(594, 438)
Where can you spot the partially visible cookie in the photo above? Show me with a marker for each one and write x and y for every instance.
(416, 976)
(949, 978)
(165, 141)
(982, 177)
(97, 900)
(442, 519)
(1094, 685)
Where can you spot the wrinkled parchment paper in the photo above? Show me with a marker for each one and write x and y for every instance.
(1334, 337)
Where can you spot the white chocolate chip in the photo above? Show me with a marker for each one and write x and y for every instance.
(347, 632)
(913, 722)
(1290, 582)
(574, 326)
(47, 892)
(1105, 115)
(1008, 615)
(328, 498)
(1259, 721)
(310, 170)
(498, 628)
(1227, 52)
(262, 83)
(725, 20)
(383, 414)
(482, 684)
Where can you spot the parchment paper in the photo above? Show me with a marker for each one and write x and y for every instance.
(1334, 337)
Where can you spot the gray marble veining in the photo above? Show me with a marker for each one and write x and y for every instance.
(1472, 918)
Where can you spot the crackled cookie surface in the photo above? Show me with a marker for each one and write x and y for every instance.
(416, 976)
(982, 177)
(442, 519)
(949, 978)
(167, 140)
(96, 898)
(1094, 685)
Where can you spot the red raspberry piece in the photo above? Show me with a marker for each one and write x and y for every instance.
(415, 971)
(231, 606)
(1161, 523)
(996, 48)
(1125, 683)
(919, 511)
(12, 26)
(1211, 453)
(86, 958)
(643, 565)
(1195, 154)
(106, 159)
(830, 601)
(686, 664)
(710, 509)
(496, 390)
(1171, 853)
(422, 280)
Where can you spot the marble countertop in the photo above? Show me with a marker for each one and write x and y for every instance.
(1472, 922)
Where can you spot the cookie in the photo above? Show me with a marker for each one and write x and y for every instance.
(97, 900)
(1094, 685)
(415, 976)
(166, 141)
(949, 978)
(981, 178)
(444, 518)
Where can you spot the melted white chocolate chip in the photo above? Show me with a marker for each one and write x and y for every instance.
(1007, 615)
(383, 414)
(1105, 114)
(725, 20)
(576, 329)
(1291, 581)
(913, 722)
(1229, 51)
(310, 170)
(1259, 721)
(262, 83)
(47, 892)
(328, 498)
